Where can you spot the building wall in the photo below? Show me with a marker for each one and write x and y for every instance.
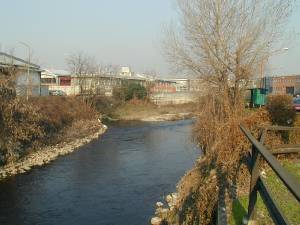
(283, 84)
(44, 90)
(30, 82)
(102, 85)
(181, 84)
(68, 90)
(161, 86)
(173, 98)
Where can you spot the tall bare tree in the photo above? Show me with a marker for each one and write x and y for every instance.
(223, 42)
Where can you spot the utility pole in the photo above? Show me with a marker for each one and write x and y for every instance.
(28, 69)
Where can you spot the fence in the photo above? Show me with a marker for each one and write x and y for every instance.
(260, 153)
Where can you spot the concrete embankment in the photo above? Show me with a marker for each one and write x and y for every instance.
(47, 154)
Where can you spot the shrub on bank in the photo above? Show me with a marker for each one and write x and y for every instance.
(24, 125)
(104, 105)
(129, 92)
(60, 111)
(281, 110)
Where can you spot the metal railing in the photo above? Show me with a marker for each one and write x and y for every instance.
(260, 153)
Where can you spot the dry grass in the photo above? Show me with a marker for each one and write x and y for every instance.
(59, 112)
(221, 170)
(136, 110)
(26, 126)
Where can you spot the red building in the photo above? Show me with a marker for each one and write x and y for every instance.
(163, 86)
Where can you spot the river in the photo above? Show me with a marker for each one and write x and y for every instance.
(115, 180)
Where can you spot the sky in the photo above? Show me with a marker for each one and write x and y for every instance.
(120, 32)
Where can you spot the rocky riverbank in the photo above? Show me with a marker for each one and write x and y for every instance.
(164, 211)
(48, 154)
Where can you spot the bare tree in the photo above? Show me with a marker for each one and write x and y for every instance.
(223, 42)
(82, 66)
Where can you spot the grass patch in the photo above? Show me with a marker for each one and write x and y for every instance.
(239, 210)
(288, 204)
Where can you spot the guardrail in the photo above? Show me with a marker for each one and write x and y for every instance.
(261, 153)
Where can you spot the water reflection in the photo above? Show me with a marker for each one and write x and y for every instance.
(111, 181)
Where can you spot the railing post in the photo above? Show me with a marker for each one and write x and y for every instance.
(255, 163)
(255, 156)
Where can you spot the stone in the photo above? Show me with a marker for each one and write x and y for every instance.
(159, 204)
(168, 198)
(26, 168)
(252, 222)
(156, 221)
(263, 174)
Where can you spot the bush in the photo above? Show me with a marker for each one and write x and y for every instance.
(19, 124)
(135, 91)
(281, 110)
(130, 91)
(26, 125)
(59, 112)
(104, 105)
(119, 93)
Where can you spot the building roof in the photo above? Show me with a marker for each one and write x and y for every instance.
(8, 60)
(56, 72)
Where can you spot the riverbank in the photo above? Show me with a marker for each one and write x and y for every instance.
(86, 132)
(148, 112)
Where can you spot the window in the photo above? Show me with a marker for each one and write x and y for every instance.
(65, 81)
(48, 80)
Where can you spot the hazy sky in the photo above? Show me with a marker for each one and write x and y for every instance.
(122, 32)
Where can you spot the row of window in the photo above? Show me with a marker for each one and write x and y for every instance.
(278, 80)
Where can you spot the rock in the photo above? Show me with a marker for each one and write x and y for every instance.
(263, 174)
(252, 222)
(172, 199)
(156, 221)
(21, 171)
(159, 204)
(26, 168)
(168, 198)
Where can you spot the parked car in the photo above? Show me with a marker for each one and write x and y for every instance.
(57, 93)
(296, 104)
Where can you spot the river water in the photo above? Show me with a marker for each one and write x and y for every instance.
(115, 180)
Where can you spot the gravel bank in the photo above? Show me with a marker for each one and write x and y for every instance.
(47, 154)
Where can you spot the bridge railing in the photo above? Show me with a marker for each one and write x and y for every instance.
(260, 153)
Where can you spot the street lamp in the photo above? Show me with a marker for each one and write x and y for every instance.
(27, 77)
(264, 61)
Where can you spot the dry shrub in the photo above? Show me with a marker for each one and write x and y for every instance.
(221, 169)
(19, 123)
(281, 110)
(59, 112)
(104, 105)
(197, 191)
(24, 126)
(294, 137)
